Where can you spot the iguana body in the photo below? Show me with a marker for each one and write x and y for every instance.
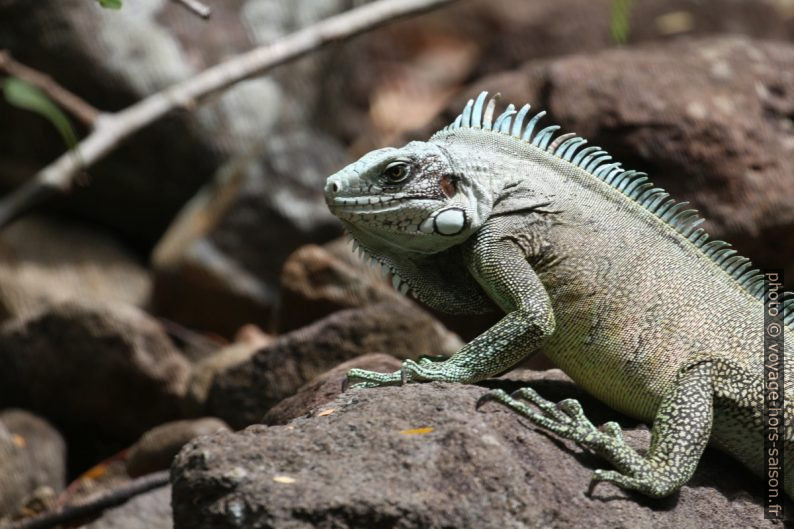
(612, 278)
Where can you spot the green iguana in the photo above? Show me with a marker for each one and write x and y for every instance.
(615, 280)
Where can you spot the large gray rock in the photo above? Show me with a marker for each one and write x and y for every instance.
(97, 370)
(242, 394)
(421, 456)
(32, 455)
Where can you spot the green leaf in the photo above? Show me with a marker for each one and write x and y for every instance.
(28, 97)
(620, 27)
(110, 4)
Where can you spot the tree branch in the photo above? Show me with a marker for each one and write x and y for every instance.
(197, 8)
(112, 129)
(66, 99)
(111, 498)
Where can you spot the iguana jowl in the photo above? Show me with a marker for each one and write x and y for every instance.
(590, 261)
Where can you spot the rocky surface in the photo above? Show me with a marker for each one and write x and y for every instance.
(109, 369)
(243, 393)
(32, 457)
(422, 456)
(156, 448)
(326, 387)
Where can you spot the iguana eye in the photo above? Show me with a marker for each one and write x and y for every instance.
(396, 172)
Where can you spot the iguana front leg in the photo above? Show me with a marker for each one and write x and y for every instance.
(680, 433)
(501, 268)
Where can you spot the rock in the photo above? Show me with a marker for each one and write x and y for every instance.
(95, 370)
(421, 456)
(32, 457)
(315, 283)
(44, 260)
(132, 53)
(156, 448)
(151, 510)
(228, 244)
(241, 394)
(709, 120)
(326, 387)
(399, 77)
(530, 30)
(204, 372)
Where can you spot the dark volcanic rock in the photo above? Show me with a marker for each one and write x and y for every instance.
(96, 369)
(244, 392)
(326, 387)
(709, 120)
(156, 448)
(421, 456)
(32, 455)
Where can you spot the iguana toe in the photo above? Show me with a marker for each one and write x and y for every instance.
(361, 378)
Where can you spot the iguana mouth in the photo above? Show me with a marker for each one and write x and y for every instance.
(365, 201)
(372, 206)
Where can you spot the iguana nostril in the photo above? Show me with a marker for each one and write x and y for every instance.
(335, 187)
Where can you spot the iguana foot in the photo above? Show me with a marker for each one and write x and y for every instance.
(567, 419)
(426, 368)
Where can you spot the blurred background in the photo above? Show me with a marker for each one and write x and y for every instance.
(196, 271)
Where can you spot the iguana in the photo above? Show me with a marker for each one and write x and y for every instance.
(614, 279)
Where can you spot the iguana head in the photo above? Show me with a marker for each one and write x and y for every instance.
(411, 199)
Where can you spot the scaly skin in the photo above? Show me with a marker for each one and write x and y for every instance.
(586, 261)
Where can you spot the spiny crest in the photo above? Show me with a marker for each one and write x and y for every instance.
(386, 270)
(478, 114)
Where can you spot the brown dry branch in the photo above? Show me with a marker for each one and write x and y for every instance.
(66, 99)
(110, 130)
(110, 498)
